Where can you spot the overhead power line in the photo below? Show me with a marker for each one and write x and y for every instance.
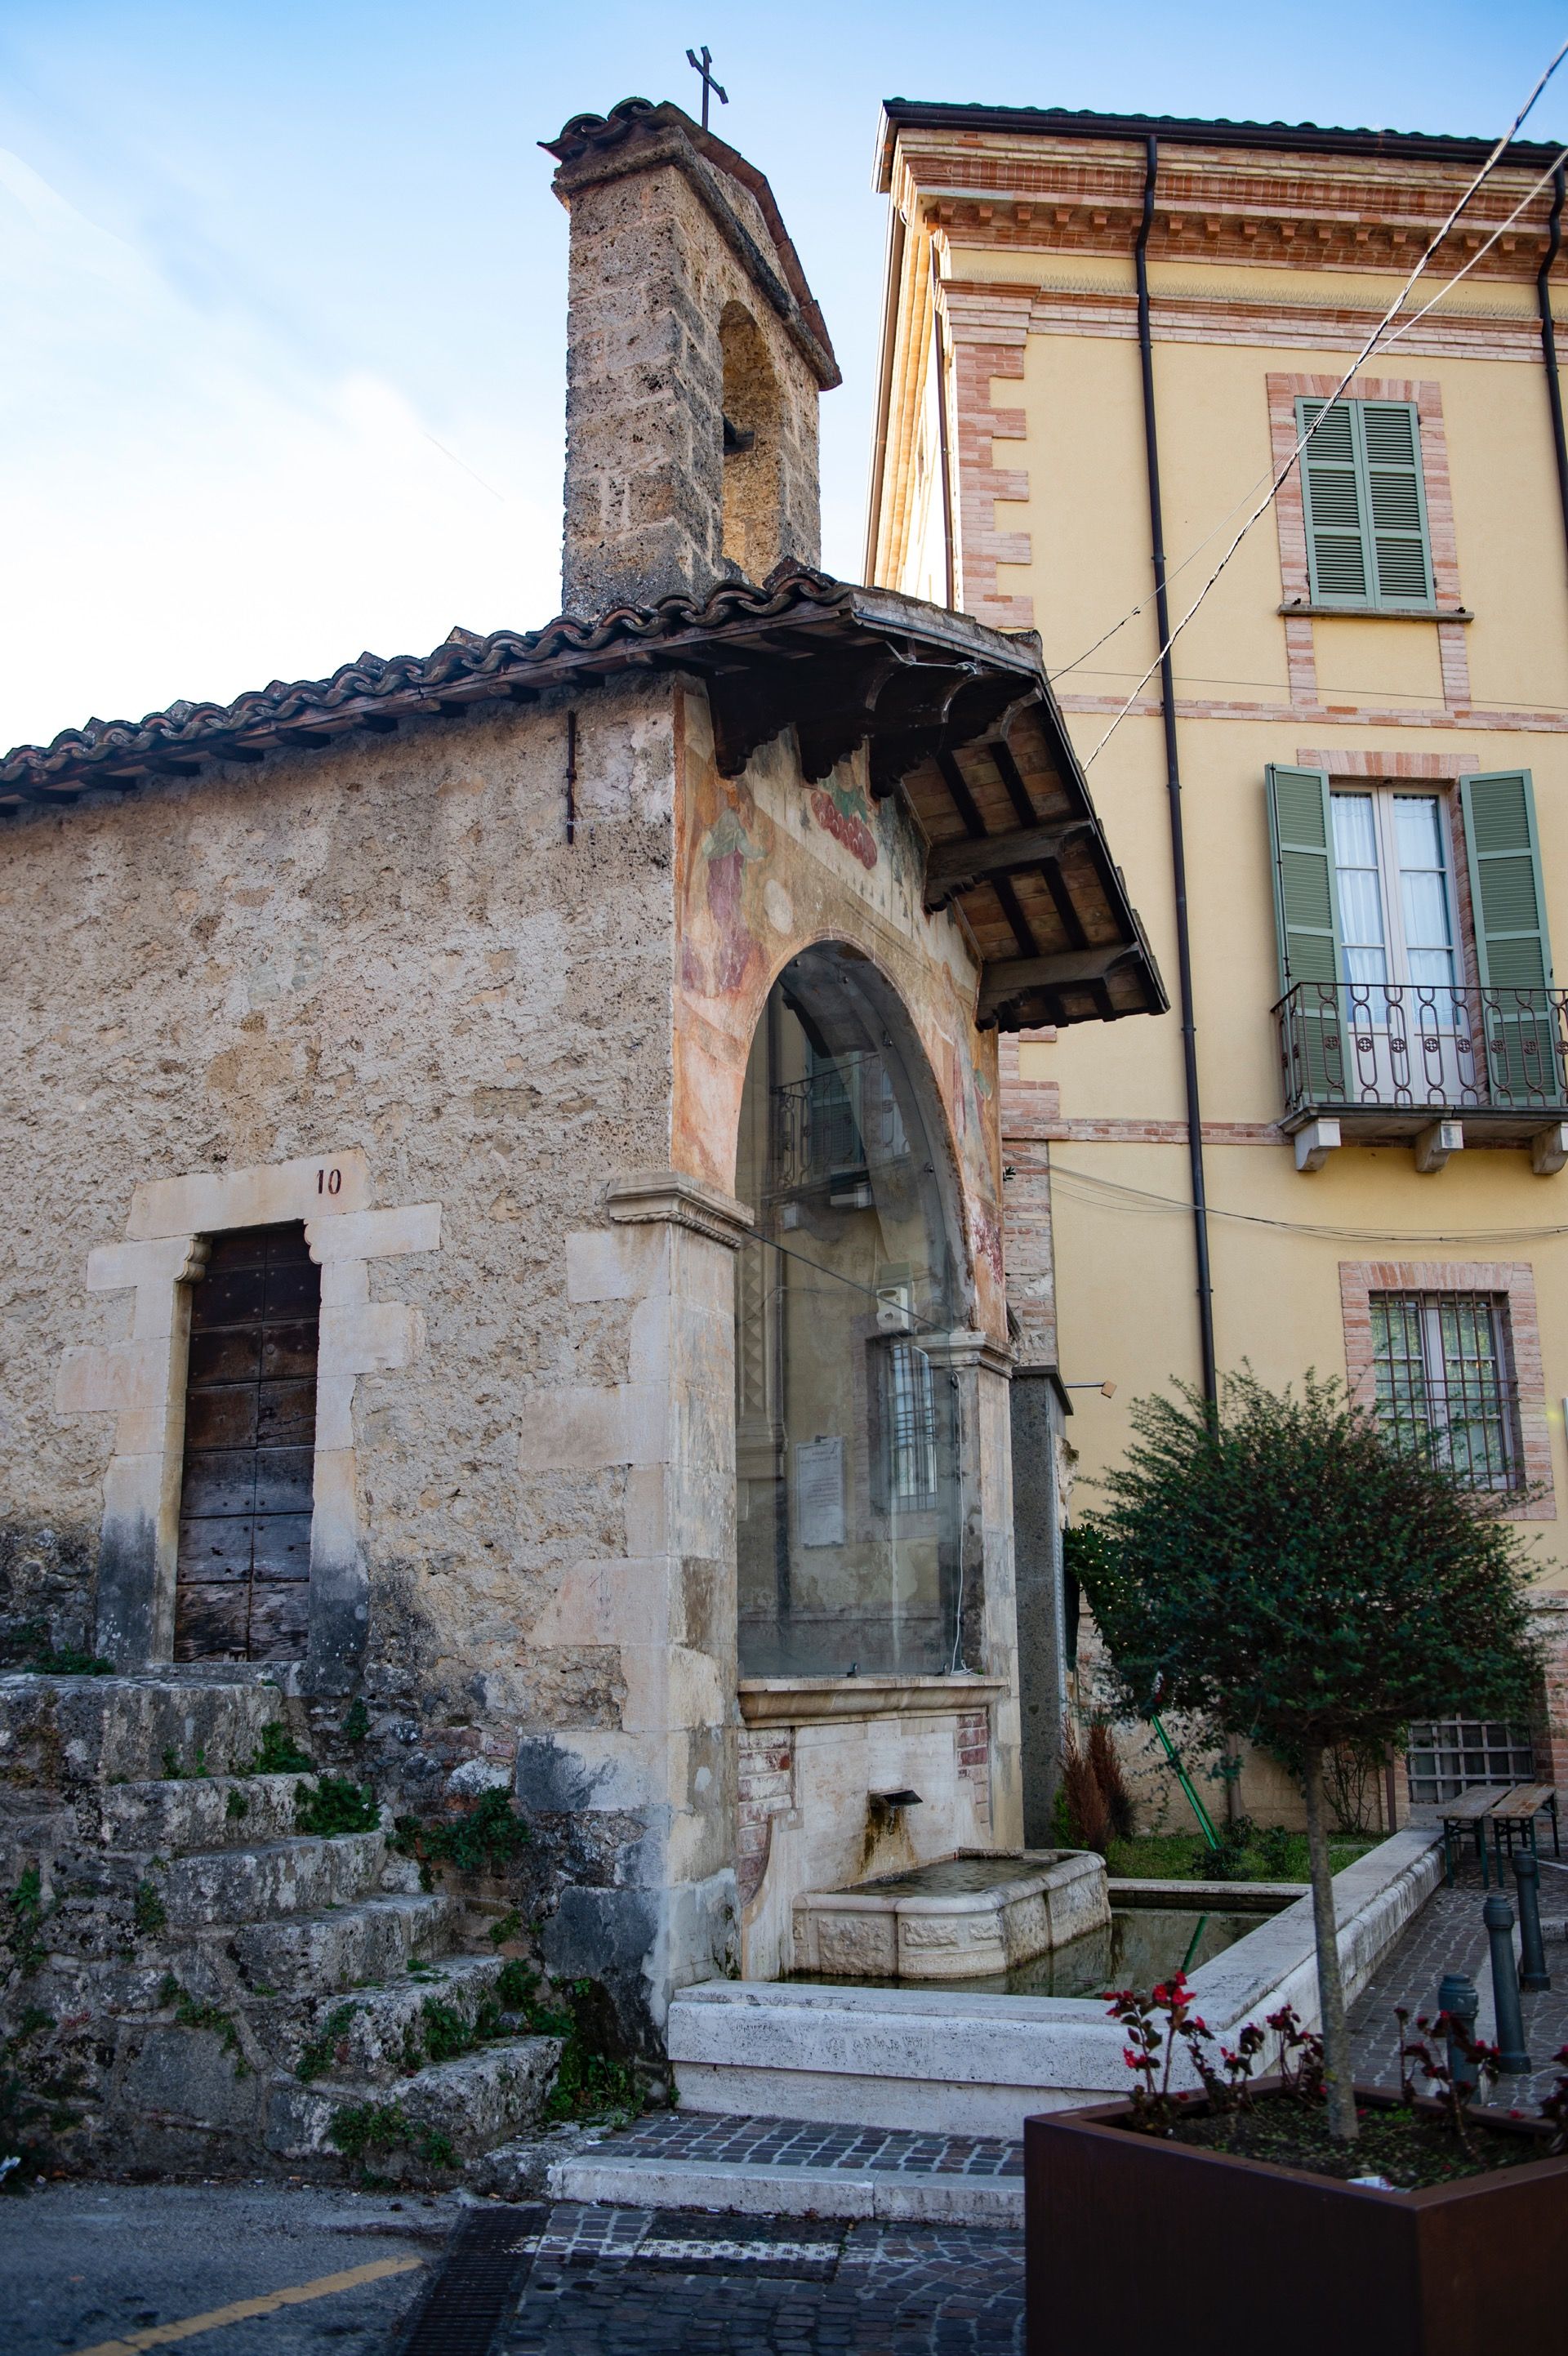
(1403, 328)
(1384, 332)
(1143, 1200)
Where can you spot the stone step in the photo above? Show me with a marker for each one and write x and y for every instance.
(380, 2035)
(470, 2104)
(778, 2167)
(210, 1812)
(375, 1939)
(904, 2197)
(63, 1731)
(246, 1886)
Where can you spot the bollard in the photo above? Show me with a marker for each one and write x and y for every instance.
(1512, 2059)
(1533, 1974)
(1457, 1997)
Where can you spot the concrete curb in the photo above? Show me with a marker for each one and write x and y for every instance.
(720, 2185)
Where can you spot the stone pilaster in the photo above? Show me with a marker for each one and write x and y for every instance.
(670, 1608)
(988, 1611)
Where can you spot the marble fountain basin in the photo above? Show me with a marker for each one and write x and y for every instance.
(955, 1918)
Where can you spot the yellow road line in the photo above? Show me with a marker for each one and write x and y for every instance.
(241, 2309)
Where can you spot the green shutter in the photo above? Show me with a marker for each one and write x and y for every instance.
(1396, 501)
(1336, 539)
(1306, 915)
(1513, 952)
(1365, 504)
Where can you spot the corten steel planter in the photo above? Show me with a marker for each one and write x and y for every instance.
(1135, 2243)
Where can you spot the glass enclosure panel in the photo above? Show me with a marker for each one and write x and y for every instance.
(847, 1453)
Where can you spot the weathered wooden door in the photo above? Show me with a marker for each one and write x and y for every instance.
(243, 1586)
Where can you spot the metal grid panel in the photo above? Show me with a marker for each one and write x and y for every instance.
(1450, 1755)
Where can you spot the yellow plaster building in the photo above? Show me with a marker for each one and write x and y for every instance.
(1344, 1147)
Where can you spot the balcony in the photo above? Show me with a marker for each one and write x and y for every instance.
(831, 1130)
(1378, 1063)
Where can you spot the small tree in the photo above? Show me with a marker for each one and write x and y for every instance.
(1278, 1567)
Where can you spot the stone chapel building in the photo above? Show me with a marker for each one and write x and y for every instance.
(503, 1183)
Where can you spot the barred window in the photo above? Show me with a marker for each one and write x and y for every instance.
(1444, 1382)
(909, 1424)
(1450, 1755)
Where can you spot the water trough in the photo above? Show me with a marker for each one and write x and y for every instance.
(943, 2059)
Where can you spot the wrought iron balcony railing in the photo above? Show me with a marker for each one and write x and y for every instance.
(1411, 1047)
(836, 1126)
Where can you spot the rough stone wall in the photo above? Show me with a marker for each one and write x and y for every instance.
(385, 953)
(651, 278)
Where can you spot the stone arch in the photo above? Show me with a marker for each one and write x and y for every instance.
(848, 1296)
(753, 405)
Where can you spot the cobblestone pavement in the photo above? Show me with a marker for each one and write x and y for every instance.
(641, 2282)
(1448, 1935)
(795, 2143)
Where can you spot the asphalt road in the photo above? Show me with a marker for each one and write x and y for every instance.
(87, 2265)
(82, 2264)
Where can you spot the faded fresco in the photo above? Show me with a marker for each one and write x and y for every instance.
(766, 865)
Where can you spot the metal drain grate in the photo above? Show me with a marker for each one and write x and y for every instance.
(476, 2284)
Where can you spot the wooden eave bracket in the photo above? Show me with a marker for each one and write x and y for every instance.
(1004, 982)
(953, 867)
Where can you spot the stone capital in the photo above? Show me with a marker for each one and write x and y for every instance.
(962, 1348)
(667, 1196)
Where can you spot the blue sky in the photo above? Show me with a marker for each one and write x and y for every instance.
(282, 286)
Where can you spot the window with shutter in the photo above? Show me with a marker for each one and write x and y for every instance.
(1365, 504)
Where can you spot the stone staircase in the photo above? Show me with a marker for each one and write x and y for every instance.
(228, 1990)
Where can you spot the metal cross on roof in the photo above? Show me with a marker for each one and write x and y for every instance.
(701, 65)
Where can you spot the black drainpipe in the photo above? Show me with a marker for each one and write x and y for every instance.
(1173, 793)
(1549, 340)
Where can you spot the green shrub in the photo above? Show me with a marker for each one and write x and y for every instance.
(148, 1910)
(484, 1839)
(278, 1754)
(336, 1806)
(317, 2053)
(1273, 1846)
(596, 2077)
(357, 1724)
(517, 1990)
(365, 2128)
(192, 2015)
(24, 1905)
(67, 1661)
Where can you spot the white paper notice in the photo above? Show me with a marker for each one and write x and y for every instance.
(818, 1491)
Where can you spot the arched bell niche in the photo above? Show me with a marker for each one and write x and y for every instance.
(848, 1466)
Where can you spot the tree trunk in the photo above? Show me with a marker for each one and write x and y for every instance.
(1330, 1985)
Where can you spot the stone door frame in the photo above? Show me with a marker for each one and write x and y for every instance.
(141, 1381)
